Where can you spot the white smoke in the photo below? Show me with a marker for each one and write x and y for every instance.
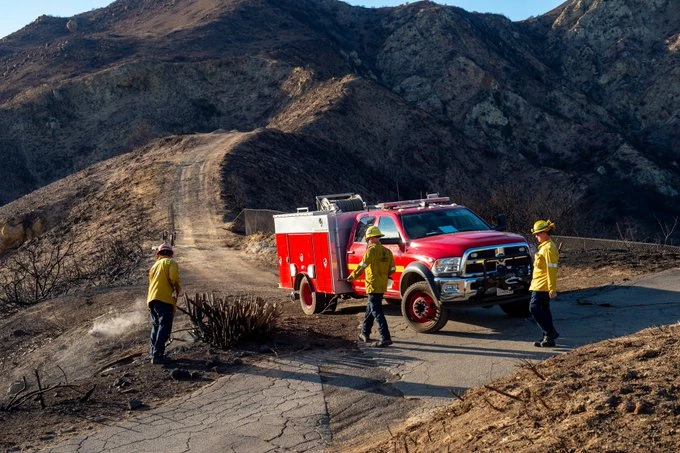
(114, 326)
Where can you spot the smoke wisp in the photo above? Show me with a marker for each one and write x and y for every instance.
(118, 325)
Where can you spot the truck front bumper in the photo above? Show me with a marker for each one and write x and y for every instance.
(480, 290)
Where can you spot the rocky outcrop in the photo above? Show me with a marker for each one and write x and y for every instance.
(623, 54)
(15, 231)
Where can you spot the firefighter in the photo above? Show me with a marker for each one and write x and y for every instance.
(544, 282)
(164, 288)
(378, 263)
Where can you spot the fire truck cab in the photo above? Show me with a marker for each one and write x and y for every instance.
(445, 256)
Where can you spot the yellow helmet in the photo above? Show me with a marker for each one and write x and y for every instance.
(542, 225)
(373, 232)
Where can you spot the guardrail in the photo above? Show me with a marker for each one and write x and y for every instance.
(259, 220)
(579, 243)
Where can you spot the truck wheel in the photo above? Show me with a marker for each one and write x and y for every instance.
(421, 311)
(518, 309)
(310, 301)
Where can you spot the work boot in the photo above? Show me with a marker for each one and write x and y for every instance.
(365, 338)
(158, 360)
(546, 342)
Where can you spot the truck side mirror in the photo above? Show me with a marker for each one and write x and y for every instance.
(393, 241)
(501, 223)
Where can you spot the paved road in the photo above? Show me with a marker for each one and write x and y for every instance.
(478, 345)
(319, 401)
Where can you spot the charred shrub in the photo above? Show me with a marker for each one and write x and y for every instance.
(222, 322)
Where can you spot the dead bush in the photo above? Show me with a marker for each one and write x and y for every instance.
(222, 322)
(524, 205)
(115, 259)
(37, 271)
(51, 265)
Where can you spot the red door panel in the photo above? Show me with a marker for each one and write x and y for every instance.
(322, 264)
(285, 280)
(354, 256)
(301, 250)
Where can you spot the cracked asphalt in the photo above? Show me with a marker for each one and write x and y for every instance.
(277, 405)
(328, 401)
(281, 404)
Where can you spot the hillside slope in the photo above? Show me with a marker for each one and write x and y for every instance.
(617, 395)
(490, 104)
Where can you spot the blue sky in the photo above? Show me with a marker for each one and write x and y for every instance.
(18, 13)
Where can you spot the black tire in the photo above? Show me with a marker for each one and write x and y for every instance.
(421, 310)
(443, 319)
(517, 309)
(311, 302)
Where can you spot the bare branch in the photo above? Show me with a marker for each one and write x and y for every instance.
(666, 229)
(16, 402)
(88, 394)
(516, 398)
(532, 367)
(486, 400)
(40, 395)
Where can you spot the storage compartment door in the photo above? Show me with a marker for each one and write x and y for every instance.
(322, 263)
(301, 252)
(283, 261)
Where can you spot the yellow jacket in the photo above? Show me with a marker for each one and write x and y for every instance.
(378, 263)
(545, 267)
(163, 281)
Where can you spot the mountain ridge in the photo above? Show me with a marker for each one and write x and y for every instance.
(507, 91)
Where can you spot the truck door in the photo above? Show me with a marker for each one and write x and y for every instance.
(393, 241)
(356, 251)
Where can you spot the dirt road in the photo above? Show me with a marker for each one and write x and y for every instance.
(196, 214)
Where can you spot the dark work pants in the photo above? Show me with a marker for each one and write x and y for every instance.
(161, 326)
(374, 311)
(539, 306)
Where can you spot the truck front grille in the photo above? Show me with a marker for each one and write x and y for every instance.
(483, 261)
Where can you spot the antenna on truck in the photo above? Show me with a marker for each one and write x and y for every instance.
(345, 202)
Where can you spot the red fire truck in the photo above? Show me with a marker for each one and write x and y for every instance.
(445, 256)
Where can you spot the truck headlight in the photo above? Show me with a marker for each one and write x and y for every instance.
(446, 266)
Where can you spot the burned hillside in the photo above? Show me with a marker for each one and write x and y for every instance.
(431, 97)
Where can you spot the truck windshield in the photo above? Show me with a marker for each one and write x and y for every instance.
(441, 221)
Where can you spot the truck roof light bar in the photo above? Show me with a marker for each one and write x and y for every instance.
(422, 202)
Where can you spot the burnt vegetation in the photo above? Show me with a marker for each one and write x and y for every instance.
(223, 321)
(49, 266)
